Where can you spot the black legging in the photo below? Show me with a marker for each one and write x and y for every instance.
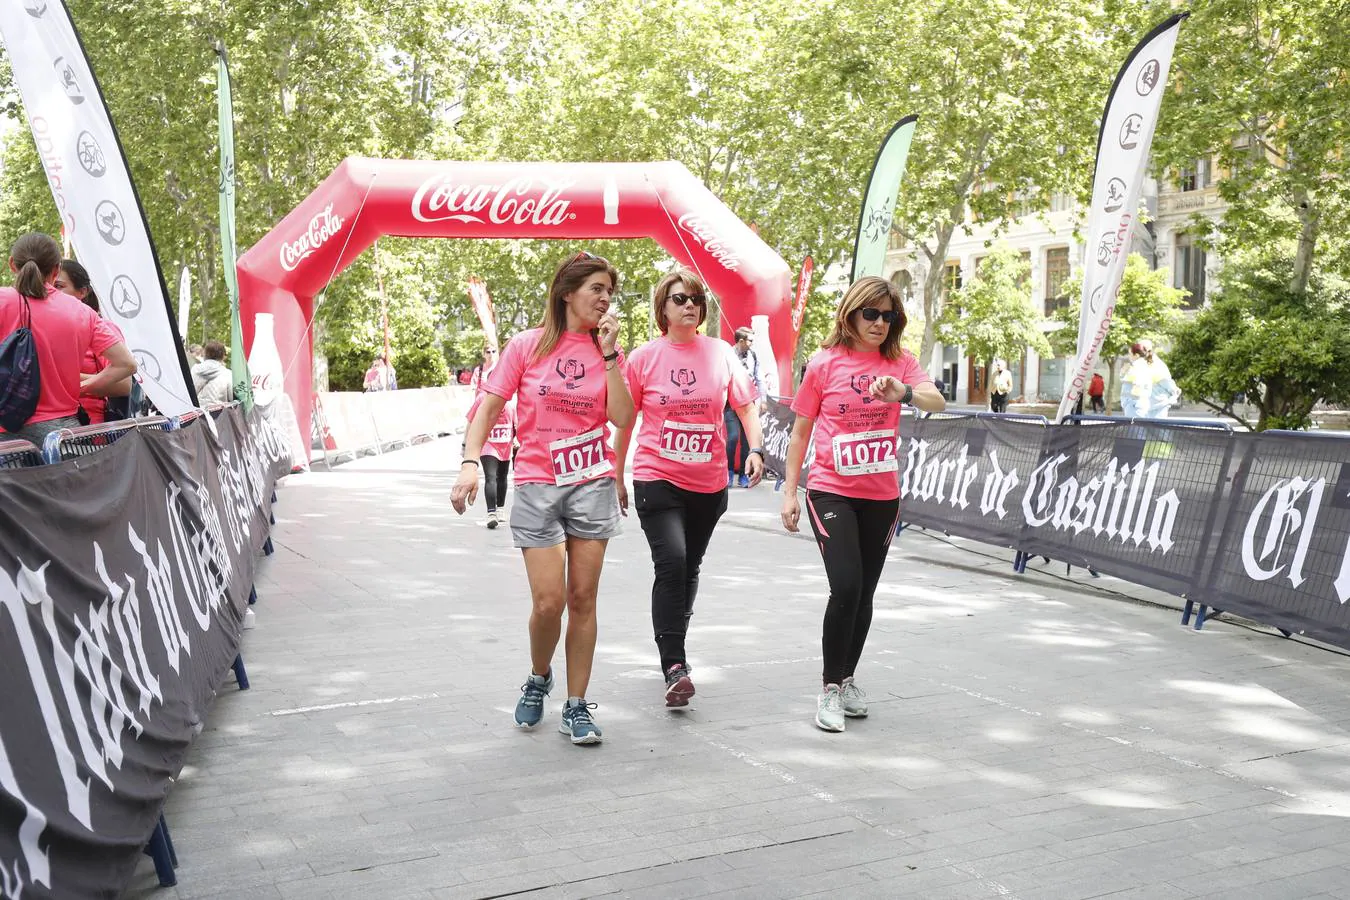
(494, 480)
(854, 536)
(678, 524)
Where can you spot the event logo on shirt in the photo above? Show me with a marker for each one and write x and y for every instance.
(861, 385)
(573, 371)
(65, 72)
(684, 379)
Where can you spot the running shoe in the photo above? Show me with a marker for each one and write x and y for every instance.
(852, 698)
(492, 519)
(679, 687)
(530, 706)
(578, 724)
(744, 481)
(830, 709)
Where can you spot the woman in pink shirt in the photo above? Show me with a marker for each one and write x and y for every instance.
(64, 332)
(73, 279)
(682, 382)
(496, 457)
(567, 378)
(848, 410)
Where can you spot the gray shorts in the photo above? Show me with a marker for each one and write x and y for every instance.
(543, 515)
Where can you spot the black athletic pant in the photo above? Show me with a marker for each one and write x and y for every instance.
(494, 480)
(854, 536)
(998, 402)
(678, 524)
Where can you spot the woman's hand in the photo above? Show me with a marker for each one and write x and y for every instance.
(623, 497)
(792, 512)
(465, 490)
(609, 333)
(887, 388)
(754, 468)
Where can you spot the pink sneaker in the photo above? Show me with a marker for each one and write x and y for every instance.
(679, 687)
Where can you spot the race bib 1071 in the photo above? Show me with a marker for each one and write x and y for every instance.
(580, 458)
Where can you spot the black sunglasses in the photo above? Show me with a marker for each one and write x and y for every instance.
(871, 314)
(686, 299)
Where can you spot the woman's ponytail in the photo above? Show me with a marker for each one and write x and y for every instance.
(36, 256)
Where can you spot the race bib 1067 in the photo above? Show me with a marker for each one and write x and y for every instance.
(687, 442)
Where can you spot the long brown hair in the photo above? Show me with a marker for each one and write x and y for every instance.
(572, 273)
(685, 278)
(36, 256)
(874, 292)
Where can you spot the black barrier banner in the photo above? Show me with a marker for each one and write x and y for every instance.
(776, 421)
(124, 577)
(1256, 524)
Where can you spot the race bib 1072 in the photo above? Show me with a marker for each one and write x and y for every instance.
(865, 453)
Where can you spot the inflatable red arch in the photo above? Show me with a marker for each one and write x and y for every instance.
(365, 199)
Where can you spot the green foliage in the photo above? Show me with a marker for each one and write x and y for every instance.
(1146, 307)
(992, 316)
(1285, 349)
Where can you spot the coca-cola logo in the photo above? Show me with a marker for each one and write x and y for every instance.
(710, 241)
(517, 202)
(322, 227)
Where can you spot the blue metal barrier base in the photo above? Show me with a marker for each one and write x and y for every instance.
(1202, 612)
(268, 549)
(240, 673)
(252, 595)
(160, 849)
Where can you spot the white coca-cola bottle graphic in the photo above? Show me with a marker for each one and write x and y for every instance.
(611, 202)
(264, 361)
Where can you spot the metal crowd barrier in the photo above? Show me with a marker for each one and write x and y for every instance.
(19, 454)
(70, 443)
(1093, 418)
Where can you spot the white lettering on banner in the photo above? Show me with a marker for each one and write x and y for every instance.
(100, 652)
(708, 239)
(321, 228)
(997, 486)
(926, 479)
(1120, 504)
(1286, 521)
(439, 200)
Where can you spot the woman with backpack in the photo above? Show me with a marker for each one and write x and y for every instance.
(44, 337)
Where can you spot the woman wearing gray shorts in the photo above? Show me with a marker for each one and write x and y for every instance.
(567, 378)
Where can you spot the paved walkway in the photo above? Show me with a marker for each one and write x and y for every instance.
(1030, 737)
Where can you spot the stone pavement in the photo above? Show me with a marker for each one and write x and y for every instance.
(1039, 736)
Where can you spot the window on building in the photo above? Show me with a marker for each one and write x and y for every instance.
(904, 283)
(1056, 273)
(951, 279)
(1061, 202)
(1189, 271)
(1195, 176)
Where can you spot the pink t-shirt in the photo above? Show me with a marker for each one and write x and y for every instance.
(561, 413)
(502, 436)
(855, 435)
(64, 330)
(96, 407)
(681, 391)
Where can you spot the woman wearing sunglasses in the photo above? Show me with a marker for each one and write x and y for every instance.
(681, 382)
(567, 378)
(851, 397)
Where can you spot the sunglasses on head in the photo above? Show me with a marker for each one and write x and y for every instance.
(871, 314)
(583, 255)
(686, 299)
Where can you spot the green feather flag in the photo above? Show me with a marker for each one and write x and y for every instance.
(243, 384)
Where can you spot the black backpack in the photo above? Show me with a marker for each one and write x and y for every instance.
(20, 377)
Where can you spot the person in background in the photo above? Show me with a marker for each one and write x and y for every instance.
(478, 380)
(1147, 389)
(73, 279)
(64, 331)
(738, 445)
(195, 354)
(380, 375)
(1001, 385)
(1097, 393)
(212, 377)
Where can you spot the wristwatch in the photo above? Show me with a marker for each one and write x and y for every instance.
(759, 450)
(611, 357)
(909, 394)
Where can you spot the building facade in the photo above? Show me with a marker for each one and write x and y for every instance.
(1049, 242)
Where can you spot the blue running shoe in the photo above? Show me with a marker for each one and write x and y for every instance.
(530, 706)
(743, 481)
(578, 724)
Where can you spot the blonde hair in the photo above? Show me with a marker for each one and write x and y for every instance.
(665, 287)
(572, 273)
(877, 293)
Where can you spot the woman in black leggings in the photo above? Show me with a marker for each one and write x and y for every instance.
(681, 382)
(848, 409)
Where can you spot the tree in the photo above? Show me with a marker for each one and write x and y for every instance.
(992, 316)
(1146, 307)
(1262, 86)
(1285, 349)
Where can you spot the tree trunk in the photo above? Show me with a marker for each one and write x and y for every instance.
(932, 292)
(1307, 241)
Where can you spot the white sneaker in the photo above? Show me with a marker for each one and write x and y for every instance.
(492, 519)
(830, 709)
(853, 699)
